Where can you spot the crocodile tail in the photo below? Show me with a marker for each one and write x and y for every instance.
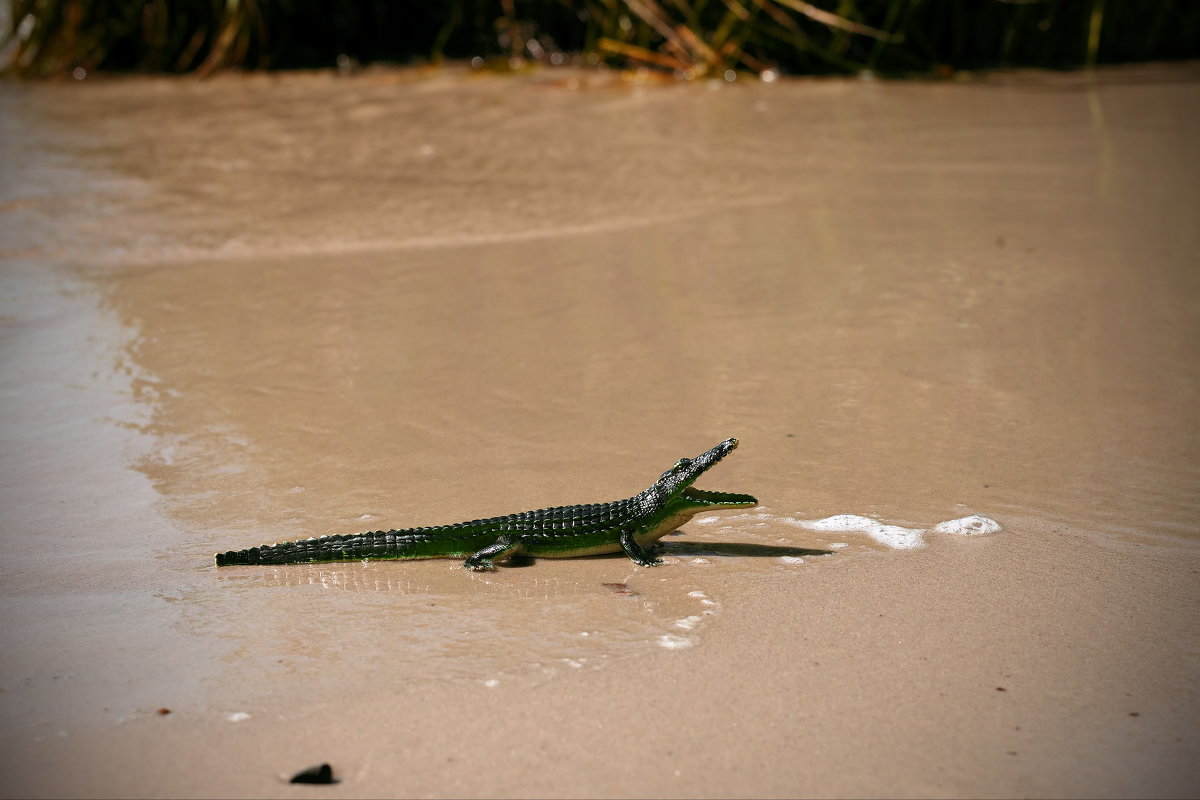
(322, 548)
(377, 544)
(252, 555)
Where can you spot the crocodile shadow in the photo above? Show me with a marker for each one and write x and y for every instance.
(689, 548)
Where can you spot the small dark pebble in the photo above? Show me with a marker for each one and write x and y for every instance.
(164, 711)
(1134, 714)
(319, 774)
(1001, 689)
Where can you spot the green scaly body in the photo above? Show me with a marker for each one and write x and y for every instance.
(632, 525)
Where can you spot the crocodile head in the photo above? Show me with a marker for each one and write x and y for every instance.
(674, 491)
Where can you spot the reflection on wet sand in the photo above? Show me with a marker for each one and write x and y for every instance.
(441, 621)
(395, 576)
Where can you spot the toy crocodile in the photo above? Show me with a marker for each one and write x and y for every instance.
(632, 525)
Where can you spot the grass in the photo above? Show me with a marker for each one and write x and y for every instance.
(691, 38)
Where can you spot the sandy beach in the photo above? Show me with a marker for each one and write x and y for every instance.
(261, 308)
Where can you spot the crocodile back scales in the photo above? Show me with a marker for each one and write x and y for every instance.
(585, 526)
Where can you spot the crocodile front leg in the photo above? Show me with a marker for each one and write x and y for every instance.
(503, 547)
(635, 551)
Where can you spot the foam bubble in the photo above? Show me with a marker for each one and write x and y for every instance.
(973, 525)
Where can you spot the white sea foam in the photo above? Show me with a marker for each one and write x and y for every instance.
(896, 537)
(673, 642)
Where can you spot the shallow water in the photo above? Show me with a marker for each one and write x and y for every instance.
(406, 299)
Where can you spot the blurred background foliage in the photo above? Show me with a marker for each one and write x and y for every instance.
(691, 38)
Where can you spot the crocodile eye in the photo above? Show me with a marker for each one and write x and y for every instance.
(683, 462)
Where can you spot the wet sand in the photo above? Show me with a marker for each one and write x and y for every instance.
(270, 307)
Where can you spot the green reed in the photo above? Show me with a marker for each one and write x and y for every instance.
(690, 38)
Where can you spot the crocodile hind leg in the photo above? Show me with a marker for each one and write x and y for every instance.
(503, 547)
(635, 551)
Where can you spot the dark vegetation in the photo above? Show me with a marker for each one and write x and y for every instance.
(692, 38)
